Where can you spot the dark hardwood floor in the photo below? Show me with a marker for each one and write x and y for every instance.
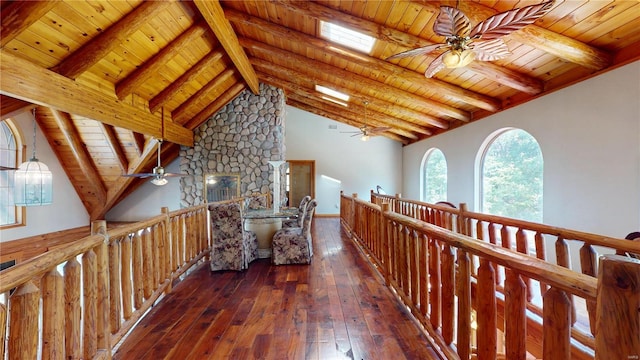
(335, 308)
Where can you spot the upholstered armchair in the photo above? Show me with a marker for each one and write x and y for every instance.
(232, 247)
(297, 222)
(294, 245)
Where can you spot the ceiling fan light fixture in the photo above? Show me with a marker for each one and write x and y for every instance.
(458, 58)
(365, 138)
(159, 181)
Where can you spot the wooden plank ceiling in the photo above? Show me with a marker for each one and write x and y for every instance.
(108, 78)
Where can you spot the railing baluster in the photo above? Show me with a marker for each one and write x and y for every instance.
(90, 304)
(486, 310)
(522, 247)
(138, 271)
(126, 276)
(491, 229)
(147, 263)
(24, 307)
(434, 281)
(448, 289)
(541, 254)
(562, 258)
(73, 325)
(114, 284)
(463, 286)
(52, 315)
(588, 265)
(515, 317)
(423, 249)
(556, 322)
(413, 267)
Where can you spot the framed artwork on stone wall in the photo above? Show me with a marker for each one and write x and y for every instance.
(218, 187)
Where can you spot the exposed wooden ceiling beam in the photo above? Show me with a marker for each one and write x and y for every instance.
(216, 105)
(179, 114)
(24, 80)
(116, 147)
(214, 15)
(150, 68)
(275, 78)
(372, 119)
(456, 92)
(551, 42)
(167, 93)
(308, 66)
(354, 111)
(10, 106)
(19, 15)
(80, 153)
(96, 49)
(320, 112)
(308, 8)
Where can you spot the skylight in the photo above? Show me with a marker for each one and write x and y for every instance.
(346, 37)
(332, 93)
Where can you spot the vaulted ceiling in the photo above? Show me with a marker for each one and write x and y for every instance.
(109, 78)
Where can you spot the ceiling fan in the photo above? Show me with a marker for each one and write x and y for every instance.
(366, 131)
(159, 175)
(483, 42)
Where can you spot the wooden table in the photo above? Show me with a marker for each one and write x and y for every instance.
(265, 223)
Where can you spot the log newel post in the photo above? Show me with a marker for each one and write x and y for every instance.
(618, 308)
(99, 227)
(354, 215)
(384, 237)
(396, 203)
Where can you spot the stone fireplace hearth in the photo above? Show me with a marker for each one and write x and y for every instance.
(241, 139)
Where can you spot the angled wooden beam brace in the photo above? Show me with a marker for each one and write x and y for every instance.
(216, 105)
(80, 153)
(114, 144)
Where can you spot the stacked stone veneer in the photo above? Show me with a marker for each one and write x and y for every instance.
(239, 139)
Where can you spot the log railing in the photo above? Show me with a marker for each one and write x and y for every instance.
(454, 284)
(80, 300)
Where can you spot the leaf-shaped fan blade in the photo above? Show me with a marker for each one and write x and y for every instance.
(509, 21)
(451, 22)
(419, 51)
(175, 175)
(491, 50)
(435, 66)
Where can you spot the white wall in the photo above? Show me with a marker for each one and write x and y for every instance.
(342, 162)
(149, 199)
(589, 134)
(67, 210)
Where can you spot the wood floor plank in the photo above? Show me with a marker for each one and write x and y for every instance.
(335, 308)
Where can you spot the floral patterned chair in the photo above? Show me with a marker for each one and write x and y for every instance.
(233, 248)
(294, 245)
(297, 222)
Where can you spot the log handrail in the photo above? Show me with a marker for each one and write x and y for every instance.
(428, 249)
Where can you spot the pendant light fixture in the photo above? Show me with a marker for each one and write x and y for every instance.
(33, 182)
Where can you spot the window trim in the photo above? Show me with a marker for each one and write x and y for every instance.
(21, 154)
(423, 173)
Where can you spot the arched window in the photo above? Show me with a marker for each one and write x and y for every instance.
(511, 171)
(434, 177)
(10, 145)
